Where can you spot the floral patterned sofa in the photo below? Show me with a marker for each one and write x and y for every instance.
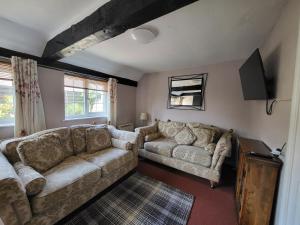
(194, 148)
(47, 175)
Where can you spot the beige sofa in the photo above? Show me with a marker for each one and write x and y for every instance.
(194, 148)
(80, 176)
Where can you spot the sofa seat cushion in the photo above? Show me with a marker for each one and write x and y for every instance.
(161, 146)
(68, 178)
(109, 159)
(192, 154)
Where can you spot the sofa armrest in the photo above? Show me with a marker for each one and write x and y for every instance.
(128, 136)
(152, 137)
(14, 204)
(147, 129)
(117, 143)
(144, 131)
(223, 150)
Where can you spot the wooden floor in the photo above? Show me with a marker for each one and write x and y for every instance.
(211, 206)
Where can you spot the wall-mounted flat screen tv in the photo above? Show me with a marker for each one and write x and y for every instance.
(253, 78)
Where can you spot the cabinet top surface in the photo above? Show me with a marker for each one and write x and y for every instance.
(250, 145)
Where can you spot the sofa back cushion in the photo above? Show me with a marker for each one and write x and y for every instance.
(9, 147)
(97, 138)
(185, 137)
(170, 129)
(42, 153)
(78, 133)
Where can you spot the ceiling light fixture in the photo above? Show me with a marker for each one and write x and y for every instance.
(142, 35)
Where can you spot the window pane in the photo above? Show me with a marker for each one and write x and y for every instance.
(95, 101)
(84, 98)
(6, 102)
(74, 102)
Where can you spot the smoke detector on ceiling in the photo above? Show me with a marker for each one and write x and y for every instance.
(142, 35)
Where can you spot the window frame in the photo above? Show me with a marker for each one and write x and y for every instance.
(87, 114)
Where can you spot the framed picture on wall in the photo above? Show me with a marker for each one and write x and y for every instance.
(187, 92)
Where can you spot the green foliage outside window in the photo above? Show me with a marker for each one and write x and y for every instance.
(6, 107)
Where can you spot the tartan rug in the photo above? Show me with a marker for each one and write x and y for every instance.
(138, 200)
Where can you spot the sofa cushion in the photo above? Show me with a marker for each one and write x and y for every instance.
(79, 137)
(170, 129)
(204, 136)
(192, 154)
(109, 159)
(185, 137)
(161, 146)
(97, 138)
(32, 180)
(70, 177)
(41, 153)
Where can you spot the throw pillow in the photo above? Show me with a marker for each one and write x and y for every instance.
(97, 138)
(152, 137)
(33, 181)
(204, 136)
(185, 137)
(41, 153)
(117, 143)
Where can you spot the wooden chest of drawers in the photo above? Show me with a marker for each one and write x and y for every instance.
(256, 183)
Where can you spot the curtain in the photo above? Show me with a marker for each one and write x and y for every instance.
(29, 110)
(112, 101)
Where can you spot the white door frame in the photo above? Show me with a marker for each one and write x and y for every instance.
(290, 190)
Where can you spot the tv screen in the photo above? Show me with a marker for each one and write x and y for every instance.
(253, 79)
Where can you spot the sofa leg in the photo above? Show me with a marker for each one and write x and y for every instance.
(212, 184)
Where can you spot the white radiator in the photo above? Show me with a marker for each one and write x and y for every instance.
(127, 127)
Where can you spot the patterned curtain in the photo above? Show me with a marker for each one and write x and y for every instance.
(112, 101)
(29, 110)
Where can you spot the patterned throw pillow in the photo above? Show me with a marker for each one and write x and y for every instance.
(33, 181)
(41, 153)
(185, 137)
(204, 136)
(97, 138)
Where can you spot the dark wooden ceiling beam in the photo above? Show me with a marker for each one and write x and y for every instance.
(110, 20)
(7, 53)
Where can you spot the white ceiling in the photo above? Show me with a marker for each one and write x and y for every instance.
(205, 32)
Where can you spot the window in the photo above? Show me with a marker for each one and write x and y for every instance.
(84, 98)
(7, 114)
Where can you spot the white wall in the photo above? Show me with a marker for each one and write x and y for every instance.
(225, 106)
(52, 90)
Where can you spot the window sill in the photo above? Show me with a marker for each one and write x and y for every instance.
(84, 118)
